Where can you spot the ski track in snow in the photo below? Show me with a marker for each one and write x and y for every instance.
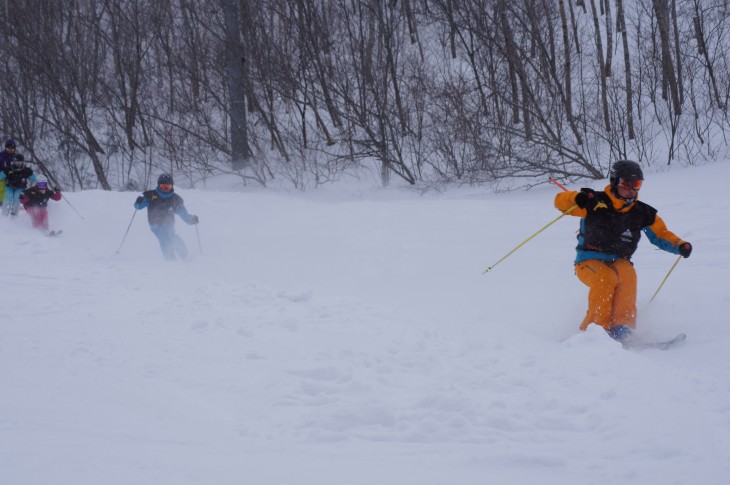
(356, 341)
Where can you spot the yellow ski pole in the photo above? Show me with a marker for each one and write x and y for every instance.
(665, 278)
(489, 268)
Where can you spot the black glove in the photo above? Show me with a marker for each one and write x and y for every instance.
(685, 249)
(195, 219)
(139, 200)
(56, 189)
(18, 157)
(586, 199)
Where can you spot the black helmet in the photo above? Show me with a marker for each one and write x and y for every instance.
(10, 143)
(625, 169)
(165, 178)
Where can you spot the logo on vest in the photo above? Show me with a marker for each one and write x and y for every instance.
(627, 236)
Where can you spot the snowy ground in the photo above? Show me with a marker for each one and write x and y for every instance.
(329, 338)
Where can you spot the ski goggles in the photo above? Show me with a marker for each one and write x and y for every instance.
(630, 184)
(42, 185)
(166, 186)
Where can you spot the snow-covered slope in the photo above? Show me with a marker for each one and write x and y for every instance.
(336, 339)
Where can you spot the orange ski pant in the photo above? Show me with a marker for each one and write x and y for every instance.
(612, 294)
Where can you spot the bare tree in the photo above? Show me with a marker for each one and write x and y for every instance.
(698, 23)
(69, 60)
(677, 52)
(566, 62)
(438, 91)
(661, 9)
(602, 67)
(621, 27)
(375, 116)
(609, 37)
(236, 65)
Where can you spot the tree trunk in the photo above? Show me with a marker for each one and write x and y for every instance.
(621, 27)
(511, 54)
(702, 49)
(568, 90)
(661, 10)
(609, 40)
(574, 25)
(677, 53)
(602, 67)
(236, 65)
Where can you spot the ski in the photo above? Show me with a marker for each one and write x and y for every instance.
(661, 345)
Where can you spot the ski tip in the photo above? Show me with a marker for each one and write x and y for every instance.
(661, 345)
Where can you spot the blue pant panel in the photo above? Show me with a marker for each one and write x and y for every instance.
(11, 201)
(170, 242)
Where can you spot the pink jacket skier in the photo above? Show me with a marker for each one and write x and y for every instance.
(35, 201)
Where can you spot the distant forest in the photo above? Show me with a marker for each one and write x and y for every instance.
(109, 93)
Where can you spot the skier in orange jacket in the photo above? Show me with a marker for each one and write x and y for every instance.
(610, 228)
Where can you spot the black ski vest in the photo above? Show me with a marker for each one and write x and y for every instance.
(607, 230)
(17, 177)
(36, 198)
(161, 210)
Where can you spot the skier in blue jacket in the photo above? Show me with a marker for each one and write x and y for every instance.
(162, 204)
(16, 178)
(7, 158)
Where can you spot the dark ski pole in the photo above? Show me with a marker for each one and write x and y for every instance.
(200, 246)
(128, 228)
(74, 208)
